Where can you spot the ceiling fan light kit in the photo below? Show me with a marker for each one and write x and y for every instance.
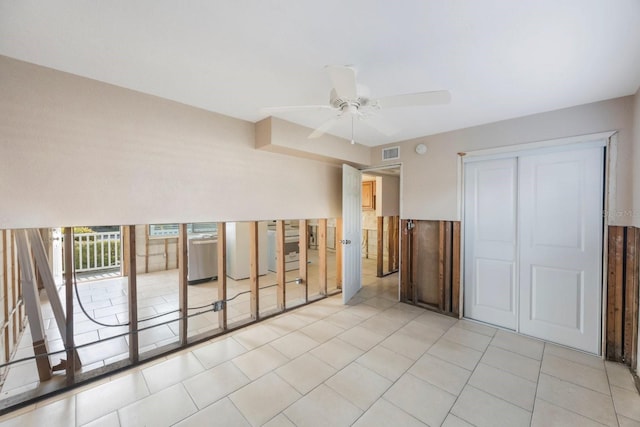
(347, 98)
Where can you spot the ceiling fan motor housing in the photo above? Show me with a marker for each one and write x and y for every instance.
(350, 105)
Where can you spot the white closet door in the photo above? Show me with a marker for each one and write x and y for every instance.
(490, 241)
(560, 221)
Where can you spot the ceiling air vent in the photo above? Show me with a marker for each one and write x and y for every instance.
(391, 153)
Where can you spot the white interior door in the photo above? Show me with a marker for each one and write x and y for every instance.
(351, 230)
(490, 241)
(560, 221)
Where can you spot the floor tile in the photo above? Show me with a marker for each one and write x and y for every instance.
(279, 420)
(476, 327)
(518, 344)
(321, 331)
(422, 331)
(627, 422)
(384, 414)
(620, 376)
(109, 420)
(436, 320)
(385, 362)
(626, 402)
(164, 408)
(322, 407)
(482, 409)
(380, 303)
(218, 352)
(61, 413)
(222, 413)
(549, 415)
(286, 323)
(215, 383)
(256, 336)
(406, 345)
(420, 399)
(504, 385)
(445, 375)
(360, 385)
(583, 401)
(172, 371)
(363, 311)
(573, 372)
(457, 354)
(305, 372)
(337, 353)
(514, 363)
(99, 401)
(264, 398)
(574, 355)
(467, 338)
(258, 362)
(382, 325)
(362, 338)
(453, 421)
(294, 344)
(344, 319)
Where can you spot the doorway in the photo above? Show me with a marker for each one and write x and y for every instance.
(533, 233)
(377, 213)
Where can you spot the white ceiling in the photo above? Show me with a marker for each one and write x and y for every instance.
(499, 58)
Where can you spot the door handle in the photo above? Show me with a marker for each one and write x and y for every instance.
(345, 242)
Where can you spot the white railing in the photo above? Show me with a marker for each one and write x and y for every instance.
(96, 251)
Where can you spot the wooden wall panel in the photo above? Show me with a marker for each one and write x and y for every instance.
(623, 274)
(431, 264)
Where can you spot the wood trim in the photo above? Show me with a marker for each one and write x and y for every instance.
(391, 242)
(630, 345)
(448, 264)
(614, 293)
(5, 290)
(380, 247)
(15, 277)
(254, 272)
(183, 270)
(441, 264)
(455, 285)
(68, 279)
(280, 266)
(303, 256)
(339, 237)
(322, 255)
(404, 263)
(132, 283)
(222, 274)
(413, 265)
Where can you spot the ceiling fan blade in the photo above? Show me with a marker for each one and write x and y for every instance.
(380, 124)
(323, 128)
(284, 109)
(414, 99)
(343, 80)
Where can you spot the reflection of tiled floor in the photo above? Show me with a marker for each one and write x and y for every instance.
(374, 362)
(105, 300)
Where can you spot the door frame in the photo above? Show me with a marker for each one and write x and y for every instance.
(397, 165)
(608, 140)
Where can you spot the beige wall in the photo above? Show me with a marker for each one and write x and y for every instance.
(430, 181)
(388, 195)
(74, 151)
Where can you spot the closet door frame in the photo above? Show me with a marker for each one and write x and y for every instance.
(608, 140)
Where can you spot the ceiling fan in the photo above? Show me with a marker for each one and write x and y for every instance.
(348, 99)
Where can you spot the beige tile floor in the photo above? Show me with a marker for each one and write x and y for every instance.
(375, 362)
(104, 297)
